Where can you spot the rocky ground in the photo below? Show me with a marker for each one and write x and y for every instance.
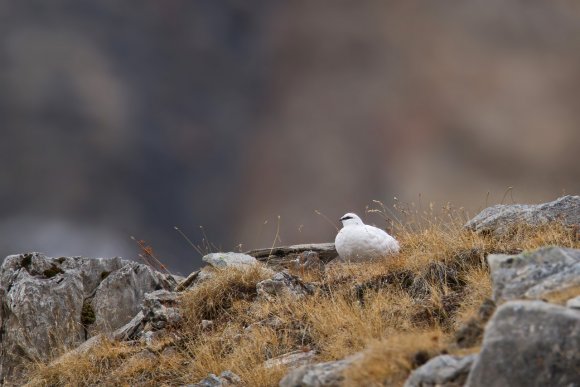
(493, 302)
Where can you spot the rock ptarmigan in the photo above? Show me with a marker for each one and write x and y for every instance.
(357, 241)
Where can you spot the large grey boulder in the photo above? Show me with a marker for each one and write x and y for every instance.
(501, 218)
(536, 274)
(529, 343)
(38, 315)
(49, 305)
(118, 297)
(329, 374)
(442, 371)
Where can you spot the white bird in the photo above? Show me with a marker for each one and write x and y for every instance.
(357, 241)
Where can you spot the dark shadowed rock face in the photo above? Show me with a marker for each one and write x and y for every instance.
(536, 274)
(51, 304)
(529, 343)
(499, 219)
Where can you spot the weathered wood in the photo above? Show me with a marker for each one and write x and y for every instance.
(326, 252)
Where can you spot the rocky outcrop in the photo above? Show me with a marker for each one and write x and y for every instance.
(49, 305)
(529, 343)
(499, 219)
(535, 275)
(118, 297)
(159, 312)
(442, 371)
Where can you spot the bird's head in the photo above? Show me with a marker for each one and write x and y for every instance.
(351, 219)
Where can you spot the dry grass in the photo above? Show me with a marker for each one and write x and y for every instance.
(400, 311)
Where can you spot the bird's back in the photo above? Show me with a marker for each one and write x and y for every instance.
(364, 242)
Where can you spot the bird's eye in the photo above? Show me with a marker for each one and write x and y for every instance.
(346, 217)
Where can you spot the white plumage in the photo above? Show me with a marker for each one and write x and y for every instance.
(357, 241)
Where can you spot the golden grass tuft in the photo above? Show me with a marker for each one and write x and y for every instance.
(399, 311)
(213, 298)
(388, 362)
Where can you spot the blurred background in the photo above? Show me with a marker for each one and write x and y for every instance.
(129, 118)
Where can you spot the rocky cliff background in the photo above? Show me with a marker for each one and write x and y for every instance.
(127, 119)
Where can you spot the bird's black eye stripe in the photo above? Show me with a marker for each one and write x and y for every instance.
(346, 217)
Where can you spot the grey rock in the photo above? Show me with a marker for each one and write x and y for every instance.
(223, 260)
(529, 343)
(37, 316)
(132, 330)
(534, 275)
(187, 282)
(148, 337)
(51, 304)
(160, 309)
(499, 219)
(205, 274)
(573, 303)
(118, 298)
(291, 360)
(329, 374)
(226, 378)
(283, 283)
(442, 371)
(159, 312)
